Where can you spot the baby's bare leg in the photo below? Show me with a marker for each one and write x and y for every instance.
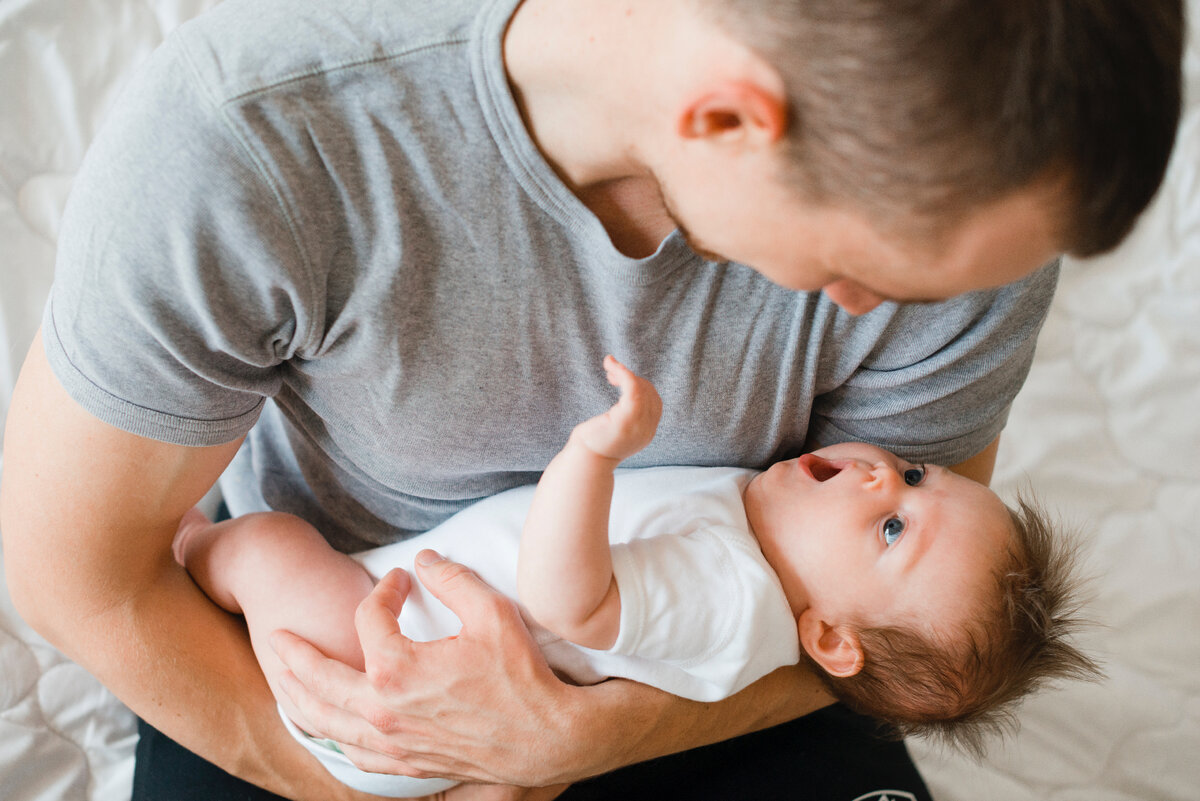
(280, 573)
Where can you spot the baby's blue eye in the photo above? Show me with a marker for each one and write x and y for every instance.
(914, 476)
(892, 530)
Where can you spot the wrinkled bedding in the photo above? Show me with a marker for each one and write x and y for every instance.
(1107, 431)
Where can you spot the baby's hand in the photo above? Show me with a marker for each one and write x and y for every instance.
(630, 424)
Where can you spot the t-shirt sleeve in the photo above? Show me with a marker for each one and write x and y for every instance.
(707, 607)
(939, 385)
(180, 289)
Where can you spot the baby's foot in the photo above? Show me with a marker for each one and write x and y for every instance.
(193, 521)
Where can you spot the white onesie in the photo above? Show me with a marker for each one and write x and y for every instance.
(702, 613)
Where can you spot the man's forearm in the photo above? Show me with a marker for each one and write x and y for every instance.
(623, 722)
(87, 514)
(186, 668)
(980, 466)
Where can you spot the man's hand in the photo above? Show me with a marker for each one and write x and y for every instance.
(482, 706)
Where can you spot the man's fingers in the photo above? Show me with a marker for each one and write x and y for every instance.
(374, 762)
(317, 717)
(322, 690)
(368, 748)
(384, 646)
(375, 618)
(396, 583)
(327, 678)
(461, 590)
(332, 701)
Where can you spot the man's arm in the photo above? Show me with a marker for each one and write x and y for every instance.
(88, 513)
(484, 706)
(980, 466)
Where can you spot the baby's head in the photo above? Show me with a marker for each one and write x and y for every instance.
(922, 598)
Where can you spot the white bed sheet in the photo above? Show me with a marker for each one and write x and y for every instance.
(1107, 430)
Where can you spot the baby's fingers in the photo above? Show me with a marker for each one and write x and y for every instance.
(636, 413)
(618, 374)
(634, 389)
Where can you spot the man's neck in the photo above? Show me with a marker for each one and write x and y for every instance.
(582, 75)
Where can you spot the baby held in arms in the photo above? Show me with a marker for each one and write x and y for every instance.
(915, 593)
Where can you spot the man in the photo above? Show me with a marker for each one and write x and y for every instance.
(415, 227)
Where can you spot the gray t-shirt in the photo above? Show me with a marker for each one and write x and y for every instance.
(324, 223)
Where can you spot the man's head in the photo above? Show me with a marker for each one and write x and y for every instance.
(923, 600)
(917, 149)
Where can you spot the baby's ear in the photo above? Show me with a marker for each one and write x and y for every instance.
(836, 648)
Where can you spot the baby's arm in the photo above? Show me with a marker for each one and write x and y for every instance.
(280, 573)
(564, 574)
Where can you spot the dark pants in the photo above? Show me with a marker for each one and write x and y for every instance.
(830, 755)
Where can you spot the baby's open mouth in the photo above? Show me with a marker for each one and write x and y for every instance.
(818, 468)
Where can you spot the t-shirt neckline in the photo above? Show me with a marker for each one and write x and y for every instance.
(534, 173)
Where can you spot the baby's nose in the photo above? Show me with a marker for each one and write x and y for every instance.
(884, 476)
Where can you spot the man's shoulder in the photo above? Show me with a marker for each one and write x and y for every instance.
(962, 327)
(245, 47)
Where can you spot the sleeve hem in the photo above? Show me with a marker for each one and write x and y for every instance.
(135, 419)
(629, 633)
(945, 452)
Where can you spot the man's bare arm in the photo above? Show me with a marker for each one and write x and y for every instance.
(668, 724)
(483, 706)
(980, 466)
(88, 513)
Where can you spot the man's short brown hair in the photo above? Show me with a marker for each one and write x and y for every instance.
(916, 112)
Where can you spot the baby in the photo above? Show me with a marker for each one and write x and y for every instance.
(916, 594)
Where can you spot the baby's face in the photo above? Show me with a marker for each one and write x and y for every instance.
(859, 535)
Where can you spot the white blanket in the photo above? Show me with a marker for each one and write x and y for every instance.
(1107, 431)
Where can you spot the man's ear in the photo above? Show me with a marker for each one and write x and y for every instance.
(740, 110)
(836, 648)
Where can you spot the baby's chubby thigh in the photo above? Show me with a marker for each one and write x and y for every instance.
(284, 575)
